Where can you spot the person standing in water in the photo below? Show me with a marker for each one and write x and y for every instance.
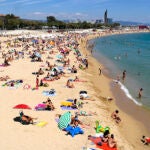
(140, 93)
(124, 75)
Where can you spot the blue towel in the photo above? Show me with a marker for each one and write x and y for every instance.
(74, 130)
(67, 108)
(70, 100)
(49, 93)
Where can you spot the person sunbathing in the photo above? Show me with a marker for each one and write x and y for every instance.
(74, 104)
(111, 141)
(26, 119)
(73, 69)
(74, 119)
(49, 104)
(84, 113)
(43, 84)
(115, 116)
(76, 78)
(82, 97)
(6, 62)
(4, 78)
(69, 84)
(105, 137)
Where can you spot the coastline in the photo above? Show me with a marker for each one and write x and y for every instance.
(132, 117)
(50, 136)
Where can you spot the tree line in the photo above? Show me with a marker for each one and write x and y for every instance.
(10, 22)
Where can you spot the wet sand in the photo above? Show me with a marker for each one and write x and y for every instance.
(135, 119)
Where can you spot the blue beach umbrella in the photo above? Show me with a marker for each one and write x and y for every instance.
(64, 120)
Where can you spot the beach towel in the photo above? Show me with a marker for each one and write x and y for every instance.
(70, 100)
(42, 124)
(97, 141)
(18, 119)
(26, 86)
(40, 107)
(86, 148)
(51, 92)
(13, 84)
(67, 108)
(47, 79)
(74, 130)
(2, 65)
(80, 81)
(66, 103)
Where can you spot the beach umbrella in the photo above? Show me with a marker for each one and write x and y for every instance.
(22, 106)
(64, 120)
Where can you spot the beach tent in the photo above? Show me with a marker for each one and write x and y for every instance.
(64, 120)
(22, 106)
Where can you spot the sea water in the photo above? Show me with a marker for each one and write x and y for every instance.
(130, 52)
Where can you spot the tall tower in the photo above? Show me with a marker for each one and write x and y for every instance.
(105, 17)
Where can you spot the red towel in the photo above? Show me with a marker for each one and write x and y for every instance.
(104, 146)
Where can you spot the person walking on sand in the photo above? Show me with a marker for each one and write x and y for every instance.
(37, 82)
(140, 93)
(100, 71)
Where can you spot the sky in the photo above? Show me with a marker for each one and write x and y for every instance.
(124, 10)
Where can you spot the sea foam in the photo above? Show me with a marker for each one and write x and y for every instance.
(127, 93)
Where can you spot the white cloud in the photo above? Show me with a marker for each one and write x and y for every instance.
(59, 16)
(38, 13)
(36, 2)
(4, 2)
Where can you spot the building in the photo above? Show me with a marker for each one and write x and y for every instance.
(105, 17)
(98, 21)
(143, 27)
(109, 20)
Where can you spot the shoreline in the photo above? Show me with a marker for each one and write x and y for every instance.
(142, 111)
(50, 135)
(137, 126)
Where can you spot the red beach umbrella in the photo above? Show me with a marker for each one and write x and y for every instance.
(22, 106)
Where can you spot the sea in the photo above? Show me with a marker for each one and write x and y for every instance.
(130, 52)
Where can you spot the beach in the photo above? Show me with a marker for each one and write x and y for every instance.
(27, 137)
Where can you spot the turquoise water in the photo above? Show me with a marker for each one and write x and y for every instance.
(130, 52)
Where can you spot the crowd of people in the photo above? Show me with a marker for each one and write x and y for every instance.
(34, 49)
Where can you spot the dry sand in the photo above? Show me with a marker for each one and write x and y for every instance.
(15, 136)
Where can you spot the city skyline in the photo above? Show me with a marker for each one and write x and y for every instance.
(135, 10)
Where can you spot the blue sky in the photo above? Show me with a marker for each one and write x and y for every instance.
(126, 10)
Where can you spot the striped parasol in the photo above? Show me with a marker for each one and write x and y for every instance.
(64, 120)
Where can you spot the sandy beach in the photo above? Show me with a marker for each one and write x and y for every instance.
(15, 136)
